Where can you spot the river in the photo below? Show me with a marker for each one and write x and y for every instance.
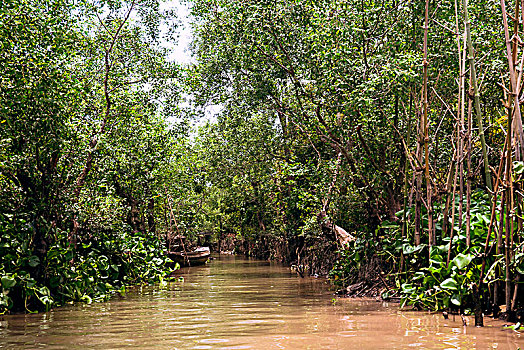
(239, 303)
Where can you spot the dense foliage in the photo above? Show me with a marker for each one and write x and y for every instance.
(85, 149)
(363, 138)
(371, 128)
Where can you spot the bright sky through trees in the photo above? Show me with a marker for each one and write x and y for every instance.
(180, 53)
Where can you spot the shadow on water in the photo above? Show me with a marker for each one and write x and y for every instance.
(239, 303)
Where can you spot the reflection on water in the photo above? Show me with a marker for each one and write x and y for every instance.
(235, 303)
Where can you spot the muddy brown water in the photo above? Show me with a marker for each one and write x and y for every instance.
(237, 303)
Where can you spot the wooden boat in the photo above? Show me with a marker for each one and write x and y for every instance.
(197, 257)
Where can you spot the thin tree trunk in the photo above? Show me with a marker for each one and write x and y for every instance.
(509, 212)
(515, 290)
(449, 195)
(458, 152)
(514, 130)
(507, 258)
(453, 212)
(406, 168)
(461, 135)
(151, 224)
(431, 231)
(491, 225)
(500, 231)
(418, 190)
(476, 96)
(93, 143)
(511, 52)
(468, 177)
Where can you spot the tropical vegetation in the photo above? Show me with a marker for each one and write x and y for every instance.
(365, 140)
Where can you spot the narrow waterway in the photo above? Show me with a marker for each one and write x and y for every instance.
(237, 303)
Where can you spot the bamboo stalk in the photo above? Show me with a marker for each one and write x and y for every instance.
(429, 193)
(461, 134)
(406, 167)
(468, 177)
(499, 247)
(511, 51)
(418, 189)
(476, 97)
(453, 211)
(509, 209)
(449, 194)
(499, 233)
(458, 148)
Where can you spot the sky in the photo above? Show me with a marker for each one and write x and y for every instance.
(180, 52)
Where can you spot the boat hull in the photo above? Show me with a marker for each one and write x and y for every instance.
(194, 258)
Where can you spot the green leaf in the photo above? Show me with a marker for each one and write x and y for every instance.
(518, 167)
(407, 288)
(33, 261)
(462, 260)
(8, 282)
(407, 249)
(455, 299)
(433, 269)
(449, 283)
(30, 283)
(44, 291)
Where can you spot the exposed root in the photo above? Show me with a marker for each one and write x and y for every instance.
(368, 289)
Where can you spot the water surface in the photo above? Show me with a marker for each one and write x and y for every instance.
(237, 303)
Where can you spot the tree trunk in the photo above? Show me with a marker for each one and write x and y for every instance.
(429, 193)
